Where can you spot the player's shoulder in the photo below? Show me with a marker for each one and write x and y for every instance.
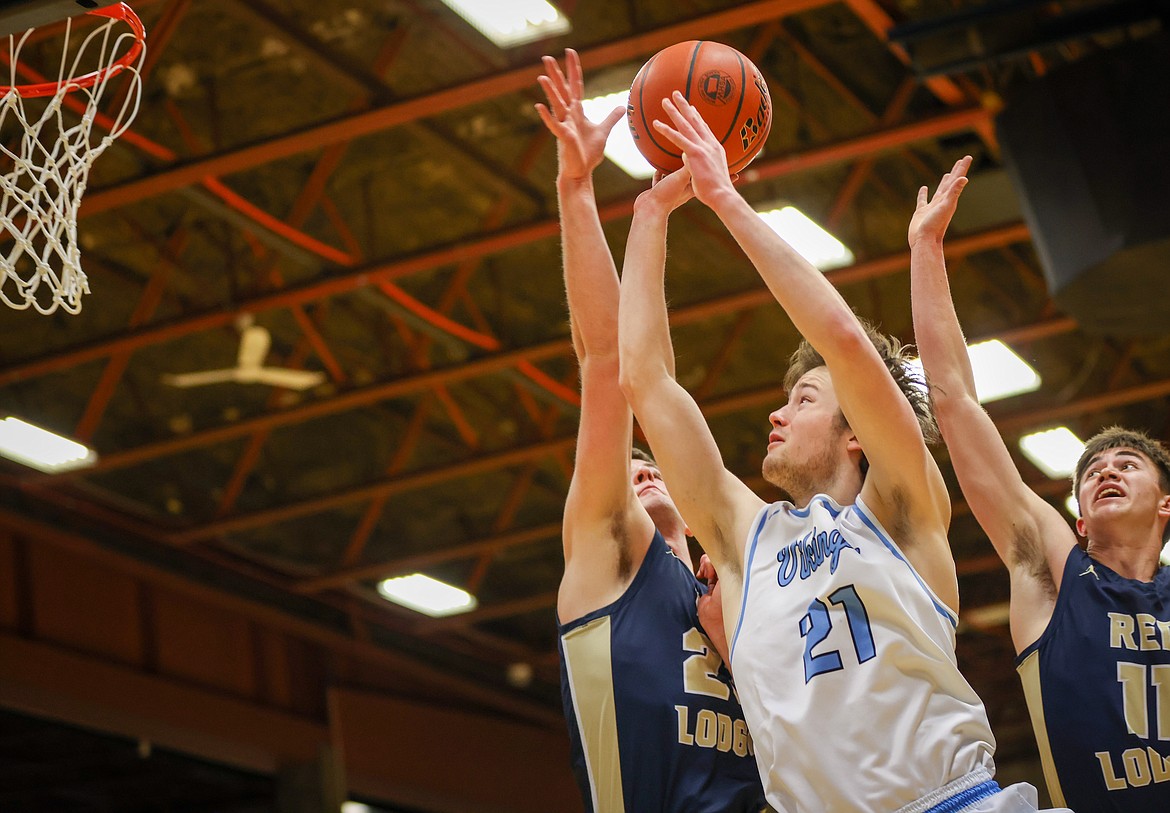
(609, 581)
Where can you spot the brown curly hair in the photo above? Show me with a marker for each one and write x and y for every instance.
(897, 358)
(1115, 437)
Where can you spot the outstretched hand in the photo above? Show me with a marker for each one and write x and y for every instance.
(702, 153)
(710, 608)
(580, 142)
(932, 216)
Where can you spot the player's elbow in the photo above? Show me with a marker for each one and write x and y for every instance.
(849, 339)
(631, 380)
(603, 368)
(636, 379)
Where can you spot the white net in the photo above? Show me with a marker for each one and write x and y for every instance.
(50, 135)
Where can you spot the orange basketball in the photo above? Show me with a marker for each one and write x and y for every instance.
(723, 85)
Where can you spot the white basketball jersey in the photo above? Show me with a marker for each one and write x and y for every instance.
(845, 664)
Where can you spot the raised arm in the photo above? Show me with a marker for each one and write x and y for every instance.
(902, 474)
(603, 521)
(1028, 534)
(715, 504)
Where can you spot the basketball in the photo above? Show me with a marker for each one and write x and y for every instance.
(723, 85)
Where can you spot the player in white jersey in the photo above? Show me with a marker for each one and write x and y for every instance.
(840, 603)
(870, 656)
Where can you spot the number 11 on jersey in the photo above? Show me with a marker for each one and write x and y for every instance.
(817, 623)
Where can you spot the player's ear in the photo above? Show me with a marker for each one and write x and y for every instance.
(1164, 506)
(1081, 528)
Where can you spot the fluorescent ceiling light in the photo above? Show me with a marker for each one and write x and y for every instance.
(426, 595)
(619, 147)
(511, 22)
(810, 241)
(1055, 451)
(42, 449)
(355, 807)
(1070, 505)
(999, 372)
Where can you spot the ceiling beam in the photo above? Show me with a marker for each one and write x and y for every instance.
(761, 396)
(850, 149)
(390, 567)
(384, 487)
(506, 609)
(355, 125)
(1150, 391)
(551, 530)
(498, 362)
(492, 612)
(352, 279)
(353, 399)
(729, 404)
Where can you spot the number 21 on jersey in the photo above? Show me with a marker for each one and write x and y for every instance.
(818, 622)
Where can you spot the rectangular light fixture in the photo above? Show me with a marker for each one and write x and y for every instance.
(42, 449)
(1054, 451)
(426, 595)
(513, 22)
(999, 372)
(810, 241)
(1070, 505)
(619, 147)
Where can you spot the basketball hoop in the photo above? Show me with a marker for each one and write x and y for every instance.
(40, 194)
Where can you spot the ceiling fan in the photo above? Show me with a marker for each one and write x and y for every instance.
(254, 343)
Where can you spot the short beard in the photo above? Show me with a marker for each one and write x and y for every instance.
(800, 482)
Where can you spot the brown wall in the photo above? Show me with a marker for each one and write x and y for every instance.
(96, 639)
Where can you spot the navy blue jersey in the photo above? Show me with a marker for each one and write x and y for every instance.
(1098, 688)
(653, 717)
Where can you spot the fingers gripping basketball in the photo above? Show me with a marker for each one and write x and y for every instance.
(723, 85)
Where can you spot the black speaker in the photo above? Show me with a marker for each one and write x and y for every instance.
(1088, 148)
